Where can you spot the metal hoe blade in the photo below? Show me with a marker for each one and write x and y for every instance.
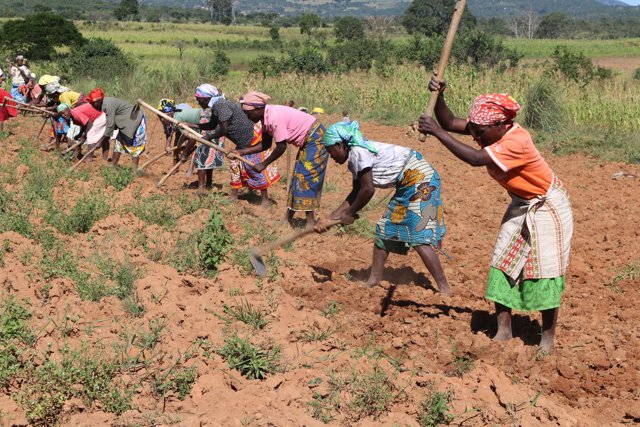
(257, 262)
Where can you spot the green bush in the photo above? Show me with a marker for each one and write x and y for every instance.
(544, 108)
(636, 74)
(577, 67)
(38, 36)
(214, 67)
(348, 28)
(99, 59)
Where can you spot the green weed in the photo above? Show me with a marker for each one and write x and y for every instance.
(177, 379)
(155, 209)
(372, 394)
(434, 410)
(332, 309)
(214, 242)
(315, 333)
(246, 313)
(88, 209)
(252, 362)
(118, 178)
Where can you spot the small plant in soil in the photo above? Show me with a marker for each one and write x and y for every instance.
(118, 178)
(332, 309)
(246, 313)
(178, 379)
(89, 208)
(434, 410)
(371, 393)
(241, 258)
(251, 361)
(462, 362)
(155, 209)
(214, 243)
(134, 306)
(315, 333)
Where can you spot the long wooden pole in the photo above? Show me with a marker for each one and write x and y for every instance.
(444, 56)
(171, 172)
(85, 156)
(39, 109)
(156, 158)
(192, 134)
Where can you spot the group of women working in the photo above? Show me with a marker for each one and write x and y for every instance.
(531, 255)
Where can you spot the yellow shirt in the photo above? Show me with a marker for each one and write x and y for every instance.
(69, 97)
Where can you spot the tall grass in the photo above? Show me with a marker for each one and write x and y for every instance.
(606, 109)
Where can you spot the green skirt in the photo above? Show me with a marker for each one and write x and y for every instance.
(530, 295)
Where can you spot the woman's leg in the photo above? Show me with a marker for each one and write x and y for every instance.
(135, 161)
(311, 220)
(105, 150)
(503, 314)
(377, 266)
(432, 262)
(288, 216)
(264, 194)
(116, 157)
(234, 195)
(209, 175)
(202, 183)
(549, 321)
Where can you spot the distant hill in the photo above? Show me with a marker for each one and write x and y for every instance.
(333, 8)
(481, 8)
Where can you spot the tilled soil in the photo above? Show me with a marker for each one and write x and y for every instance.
(403, 326)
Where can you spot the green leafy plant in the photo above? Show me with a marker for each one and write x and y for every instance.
(434, 410)
(119, 178)
(214, 242)
(252, 362)
(246, 313)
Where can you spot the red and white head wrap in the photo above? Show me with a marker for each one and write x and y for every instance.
(95, 95)
(492, 108)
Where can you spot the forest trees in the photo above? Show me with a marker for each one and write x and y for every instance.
(37, 36)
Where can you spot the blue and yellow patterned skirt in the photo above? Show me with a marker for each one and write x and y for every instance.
(415, 214)
(308, 173)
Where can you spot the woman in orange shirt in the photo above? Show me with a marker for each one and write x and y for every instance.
(532, 251)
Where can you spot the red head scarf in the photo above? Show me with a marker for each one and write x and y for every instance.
(95, 95)
(493, 108)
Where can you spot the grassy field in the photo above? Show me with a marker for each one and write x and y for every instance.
(602, 118)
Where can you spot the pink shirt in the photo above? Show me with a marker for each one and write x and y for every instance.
(84, 114)
(286, 124)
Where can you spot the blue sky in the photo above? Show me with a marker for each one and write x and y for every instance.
(633, 2)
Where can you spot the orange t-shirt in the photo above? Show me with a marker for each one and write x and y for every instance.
(518, 165)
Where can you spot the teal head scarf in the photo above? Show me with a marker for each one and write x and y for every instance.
(349, 133)
(63, 106)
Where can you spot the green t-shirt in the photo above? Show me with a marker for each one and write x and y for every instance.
(190, 115)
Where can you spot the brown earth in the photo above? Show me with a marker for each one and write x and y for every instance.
(591, 378)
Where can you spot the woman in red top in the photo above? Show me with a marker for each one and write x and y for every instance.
(8, 110)
(532, 252)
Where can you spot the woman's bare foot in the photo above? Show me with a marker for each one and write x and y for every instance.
(265, 205)
(444, 289)
(546, 345)
(505, 332)
(502, 336)
(202, 191)
(372, 282)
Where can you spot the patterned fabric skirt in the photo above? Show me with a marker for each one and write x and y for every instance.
(528, 295)
(308, 172)
(535, 236)
(415, 214)
(242, 176)
(205, 157)
(134, 146)
(532, 252)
